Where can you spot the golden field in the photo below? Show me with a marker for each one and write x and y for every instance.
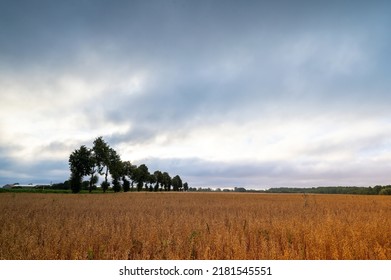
(194, 226)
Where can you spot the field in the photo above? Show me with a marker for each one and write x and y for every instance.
(194, 226)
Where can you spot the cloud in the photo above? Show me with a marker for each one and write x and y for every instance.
(36, 171)
(293, 87)
(262, 175)
(295, 152)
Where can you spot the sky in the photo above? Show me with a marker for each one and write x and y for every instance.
(253, 94)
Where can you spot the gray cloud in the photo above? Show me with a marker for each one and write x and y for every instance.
(37, 171)
(199, 63)
(251, 174)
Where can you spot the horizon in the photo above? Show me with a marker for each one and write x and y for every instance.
(214, 188)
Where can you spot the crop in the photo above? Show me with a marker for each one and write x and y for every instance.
(194, 226)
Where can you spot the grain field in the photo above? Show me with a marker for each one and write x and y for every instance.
(194, 226)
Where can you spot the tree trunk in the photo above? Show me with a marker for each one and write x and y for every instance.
(107, 172)
(92, 177)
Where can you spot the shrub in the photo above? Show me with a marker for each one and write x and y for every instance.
(386, 191)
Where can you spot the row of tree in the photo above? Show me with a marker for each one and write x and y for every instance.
(103, 160)
(382, 190)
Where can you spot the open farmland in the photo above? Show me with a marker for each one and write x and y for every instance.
(194, 226)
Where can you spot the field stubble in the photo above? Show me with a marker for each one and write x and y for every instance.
(194, 226)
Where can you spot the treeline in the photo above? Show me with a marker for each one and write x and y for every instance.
(103, 160)
(382, 190)
(377, 190)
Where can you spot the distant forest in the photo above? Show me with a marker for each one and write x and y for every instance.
(382, 190)
(377, 190)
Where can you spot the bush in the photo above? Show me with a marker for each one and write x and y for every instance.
(385, 191)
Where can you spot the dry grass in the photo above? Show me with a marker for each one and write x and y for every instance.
(194, 226)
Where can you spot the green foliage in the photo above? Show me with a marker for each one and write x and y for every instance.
(116, 185)
(141, 176)
(61, 186)
(101, 153)
(81, 165)
(116, 168)
(166, 181)
(127, 170)
(126, 184)
(105, 185)
(85, 185)
(385, 191)
(115, 164)
(80, 161)
(75, 182)
(177, 183)
(151, 181)
(158, 179)
(334, 190)
(104, 160)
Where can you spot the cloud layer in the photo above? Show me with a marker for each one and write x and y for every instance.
(261, 93)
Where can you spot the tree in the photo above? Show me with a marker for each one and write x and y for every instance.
(141, 176)
(102, 159)
(127, 171)
(92, 169)
(85, 185)
(93, 181)
(126, 184)
(79, 161)
(115, 166)
(158, 179)
(105, 185)
(385, 191)
(177, 183)
(377, 189)
(185, 186)
(151, 181)
(166, 181)
(116, 185)
(75, 182)
(80, 166)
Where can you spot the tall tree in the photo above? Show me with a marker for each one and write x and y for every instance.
(142, 176)
(166, 180)
(102, 159)
(185, 186)
(177, 183)
(93, 168)
(116, 169)
(158, 179)
(151, 181)
(92, 182)
(127, 176)
(75, 181)
(116, 185)
(126, 184)
(80, 166)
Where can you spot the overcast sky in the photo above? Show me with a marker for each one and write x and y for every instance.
(253, 94)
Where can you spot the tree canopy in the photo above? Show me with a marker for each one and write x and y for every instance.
(103, 160)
